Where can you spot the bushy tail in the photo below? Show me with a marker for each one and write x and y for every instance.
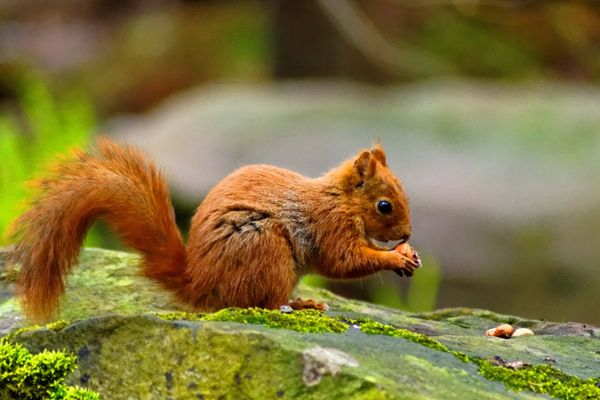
(113, 183)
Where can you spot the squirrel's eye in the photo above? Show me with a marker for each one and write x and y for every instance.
(384, 207)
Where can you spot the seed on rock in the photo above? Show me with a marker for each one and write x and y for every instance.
(502, 331)
(522, 332)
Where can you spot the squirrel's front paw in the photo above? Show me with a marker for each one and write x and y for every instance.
(411, 259)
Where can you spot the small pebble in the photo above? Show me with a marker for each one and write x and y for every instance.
(509, 364)
(516, 364)
(286, 309)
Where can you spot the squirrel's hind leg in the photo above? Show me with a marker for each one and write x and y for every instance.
(252, 266)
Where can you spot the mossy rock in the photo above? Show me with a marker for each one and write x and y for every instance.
(131, 341)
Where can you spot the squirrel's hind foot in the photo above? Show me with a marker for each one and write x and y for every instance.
(309, 304)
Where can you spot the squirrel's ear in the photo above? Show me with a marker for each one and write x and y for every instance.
(362, 162)
(365, 164)
(379, 154)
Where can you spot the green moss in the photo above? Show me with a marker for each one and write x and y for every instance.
(58, 325)
(377, 328)
(19, 332)
(541, 379)
(40, 376)
(54, 326)
(178, 316)
(61, 392)
(308, 321)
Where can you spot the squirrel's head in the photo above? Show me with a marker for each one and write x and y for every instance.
(376, 199)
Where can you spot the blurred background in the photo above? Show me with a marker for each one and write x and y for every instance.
(489, 112)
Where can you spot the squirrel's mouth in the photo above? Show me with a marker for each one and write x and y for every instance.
(383, 245)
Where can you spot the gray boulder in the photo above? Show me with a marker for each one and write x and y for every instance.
(131, 341)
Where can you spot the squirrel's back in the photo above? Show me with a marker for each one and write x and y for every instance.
(252, 199)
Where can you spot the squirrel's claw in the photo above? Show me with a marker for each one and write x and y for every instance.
(404, 272)
(410, 264)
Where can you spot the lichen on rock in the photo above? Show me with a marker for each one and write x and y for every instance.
(320, 361)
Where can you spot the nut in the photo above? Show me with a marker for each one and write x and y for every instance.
(407, 251)
(522, 332)
(502, 331)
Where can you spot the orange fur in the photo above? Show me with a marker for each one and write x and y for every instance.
(249, 241)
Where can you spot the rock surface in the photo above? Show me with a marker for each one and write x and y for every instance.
(132, 342)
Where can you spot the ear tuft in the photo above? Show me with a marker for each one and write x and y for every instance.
(379, 154)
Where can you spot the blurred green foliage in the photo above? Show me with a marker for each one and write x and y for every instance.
(314, 280)
(43, 128)
(155, 53)
(476, 48)
(421, 294)
(130, 58)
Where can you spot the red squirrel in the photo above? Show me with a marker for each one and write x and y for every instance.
(249, 241)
